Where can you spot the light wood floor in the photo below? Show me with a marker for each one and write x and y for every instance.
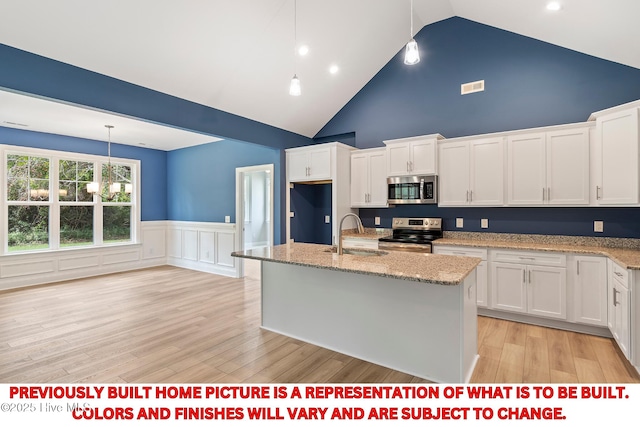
(173, 325)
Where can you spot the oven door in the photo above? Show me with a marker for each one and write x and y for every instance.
(403, 190)
(424, 248)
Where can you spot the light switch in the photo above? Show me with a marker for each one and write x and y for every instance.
(227, 218)
(377, 220)
(598, 226)
(484, 223)
(327, 219)
(459, 222)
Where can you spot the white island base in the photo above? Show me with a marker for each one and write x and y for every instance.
(423, 329)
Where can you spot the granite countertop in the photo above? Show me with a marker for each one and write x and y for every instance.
(628, 257)
(418, 267)
(369, 233)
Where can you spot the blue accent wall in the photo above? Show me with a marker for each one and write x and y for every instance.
(529, 83)
(310, 204)
(153, 163)
(201, 181)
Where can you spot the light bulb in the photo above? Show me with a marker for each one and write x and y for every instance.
(411, 54)
(295, 89)
(554, 6)
(303, 50)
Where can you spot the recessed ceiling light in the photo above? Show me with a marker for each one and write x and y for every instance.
(303, 50)
(334, 69)
(554, 6)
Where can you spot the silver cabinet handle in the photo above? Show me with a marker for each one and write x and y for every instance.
(543, 193)
(469, 292)
(459, 253)
(578, 267)
(524, 276)
(527, 257)
(548, 194)
(615, 299)
(618, 274)
(529, 276)
(467, 195)
(407, 165)
(471, 195)
(410, 165)
(597, 193)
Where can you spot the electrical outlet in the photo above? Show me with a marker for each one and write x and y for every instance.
(598, 226)
(291, 214)
(327, 219)
(377, 220)
(227, 218)
(484, 223)
(459, 222)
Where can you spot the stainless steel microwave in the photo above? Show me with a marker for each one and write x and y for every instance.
(422, 189)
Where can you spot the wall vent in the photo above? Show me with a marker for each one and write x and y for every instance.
(472, 87)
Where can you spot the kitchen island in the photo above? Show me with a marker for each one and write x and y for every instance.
(411, 312)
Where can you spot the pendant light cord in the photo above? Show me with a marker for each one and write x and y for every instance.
(411, 30)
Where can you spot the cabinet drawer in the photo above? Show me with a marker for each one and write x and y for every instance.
(530, 258)
(354, 242)
(620, 274)
(461, 251)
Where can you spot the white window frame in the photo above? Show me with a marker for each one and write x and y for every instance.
(54, 203)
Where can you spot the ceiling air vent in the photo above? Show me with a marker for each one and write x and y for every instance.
(472, 87)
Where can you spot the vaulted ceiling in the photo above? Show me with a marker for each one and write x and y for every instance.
(239, 57)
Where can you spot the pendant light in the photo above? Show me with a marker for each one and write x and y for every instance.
(113, 188)
(295, 88)
(411, 53)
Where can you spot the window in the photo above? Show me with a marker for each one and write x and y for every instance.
(48, 206)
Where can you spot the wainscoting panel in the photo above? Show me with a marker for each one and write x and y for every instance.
(36, 268)
(203, 246)
(195, 245)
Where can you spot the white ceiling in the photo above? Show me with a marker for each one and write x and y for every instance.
(238, 56)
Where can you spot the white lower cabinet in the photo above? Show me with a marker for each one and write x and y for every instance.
(619, 315)
(522, 283)
(589, 279)
(481, 271)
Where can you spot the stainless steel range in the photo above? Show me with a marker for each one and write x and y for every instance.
(412, 234)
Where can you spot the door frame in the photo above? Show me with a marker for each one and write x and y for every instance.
(240, 173)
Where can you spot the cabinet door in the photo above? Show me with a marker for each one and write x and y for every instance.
(453, 179)
(481, 284)
(298, 166)
(378, 179)
(320, 164)
(398, 159)
(590, 290)
(508, 287)
(422, 157)
(359, 174)
(547, 291)
(526, 180)
(568, 167)
(486, 183)
(618, 134)
(622, 332)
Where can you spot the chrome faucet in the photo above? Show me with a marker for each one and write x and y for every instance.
(360, 229)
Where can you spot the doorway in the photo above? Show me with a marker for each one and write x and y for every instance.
(254, 213)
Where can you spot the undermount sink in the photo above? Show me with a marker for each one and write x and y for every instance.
(357, 252)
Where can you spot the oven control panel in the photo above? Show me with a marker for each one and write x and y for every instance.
(417, 223)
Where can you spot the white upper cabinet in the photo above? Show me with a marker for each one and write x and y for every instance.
(309, 164)
(369, 178)
(548, 168)
(526, 181)
(471, 172)
(616, 166)
(568, 167)
(412, 156)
